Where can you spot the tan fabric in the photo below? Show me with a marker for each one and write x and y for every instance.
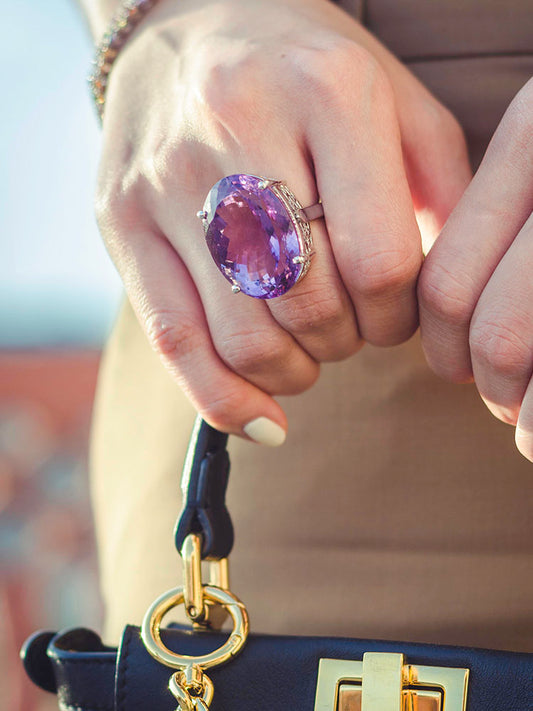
(399, 507)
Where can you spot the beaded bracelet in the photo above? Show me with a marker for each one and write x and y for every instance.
(128, 16)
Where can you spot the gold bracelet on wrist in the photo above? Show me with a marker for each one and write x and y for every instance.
(128, 16)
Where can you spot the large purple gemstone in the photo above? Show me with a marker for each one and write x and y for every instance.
(251, 236)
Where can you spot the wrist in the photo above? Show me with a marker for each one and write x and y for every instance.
(129, 14)
(98, 14)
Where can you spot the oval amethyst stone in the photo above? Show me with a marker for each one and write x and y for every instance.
(252, 236)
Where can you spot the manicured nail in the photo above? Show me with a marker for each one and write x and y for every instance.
(265, 431)
(523, 442)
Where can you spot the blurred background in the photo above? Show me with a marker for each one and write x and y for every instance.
(59, 295)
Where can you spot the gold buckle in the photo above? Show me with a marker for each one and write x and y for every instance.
(384, 682)
(202, 612)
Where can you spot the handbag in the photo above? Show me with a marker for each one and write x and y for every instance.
(201, 669)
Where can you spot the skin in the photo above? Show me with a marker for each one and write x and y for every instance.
(476, 286)
(297, 90)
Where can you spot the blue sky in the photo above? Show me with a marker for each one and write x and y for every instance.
(57, 284)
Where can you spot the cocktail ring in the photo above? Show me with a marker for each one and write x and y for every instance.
(258, 234)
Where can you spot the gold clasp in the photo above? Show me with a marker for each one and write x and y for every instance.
(384, 682)
(200, 611)
(192, 689)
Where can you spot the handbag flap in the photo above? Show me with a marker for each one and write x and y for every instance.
(272, 672)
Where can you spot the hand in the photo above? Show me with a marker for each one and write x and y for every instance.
(289, 89)
(476, 285)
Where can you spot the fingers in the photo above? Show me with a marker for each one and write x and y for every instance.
(472, 244)
(275, 343)
(245, 334)
(318, 310)
(475, 289)
(355, 143)
(170, 311)
(433, 143)
(501, 331)
(362, 281)
(247, 337)
(436, 161)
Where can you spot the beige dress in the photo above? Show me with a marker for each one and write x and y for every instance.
(399, 506)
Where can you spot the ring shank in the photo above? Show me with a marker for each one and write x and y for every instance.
(313, 212)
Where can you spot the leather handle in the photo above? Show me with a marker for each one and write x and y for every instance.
(203, 483)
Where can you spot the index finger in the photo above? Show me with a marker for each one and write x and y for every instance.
(474, 240)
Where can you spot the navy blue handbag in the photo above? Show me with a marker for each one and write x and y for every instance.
(200, 668)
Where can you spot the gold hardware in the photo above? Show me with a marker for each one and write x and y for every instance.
(202, 613)
(383, 682)
(151, 629)
(191, 688)
(193, 695)
(219, 578)
(191, 552)
(420, 700)
(219, 574)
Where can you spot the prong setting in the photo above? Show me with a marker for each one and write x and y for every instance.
(267, 183)
(201, 215)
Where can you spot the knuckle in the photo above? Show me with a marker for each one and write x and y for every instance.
(240, 98)
(441, 122)
(435, 127)
(501, 347)
(341, 62)
(177, 163)
(313, 311)
(173, 336)
(107, 204)
(227, 87)
(117, 201)
(444, 295)
(251, 353)
(385, 272)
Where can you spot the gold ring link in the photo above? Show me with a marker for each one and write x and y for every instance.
(191, 552)
(151, 629)
(182, 696)
(201, 613)
(191, 697)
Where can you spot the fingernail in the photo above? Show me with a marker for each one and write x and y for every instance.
(523, 443)
(264, 431)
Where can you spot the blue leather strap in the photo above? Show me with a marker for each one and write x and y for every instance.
(204, 482)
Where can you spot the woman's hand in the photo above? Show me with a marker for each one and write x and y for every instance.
(476, 285)
(288, 89)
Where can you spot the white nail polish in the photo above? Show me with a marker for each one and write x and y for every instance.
(265, 431)
(523, 443)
